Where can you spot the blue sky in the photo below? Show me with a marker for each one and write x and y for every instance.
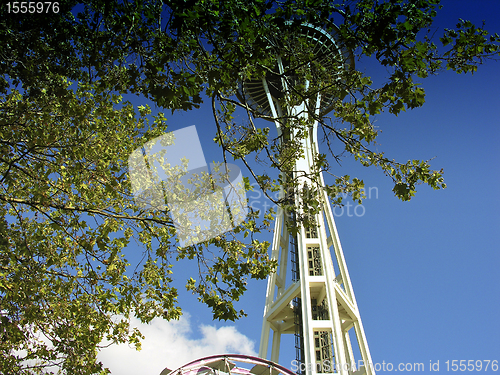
(425, 272)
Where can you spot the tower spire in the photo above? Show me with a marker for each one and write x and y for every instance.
(318, 306)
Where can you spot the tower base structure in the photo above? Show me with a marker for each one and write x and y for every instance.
(316, 303)
(318, 307)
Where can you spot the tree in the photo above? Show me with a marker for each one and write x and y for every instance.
(67, 211)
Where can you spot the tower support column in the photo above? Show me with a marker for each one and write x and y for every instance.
(326, 322)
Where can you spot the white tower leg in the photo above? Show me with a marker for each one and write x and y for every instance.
(328, 310)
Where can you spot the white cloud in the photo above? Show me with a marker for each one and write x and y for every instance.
(173, 344)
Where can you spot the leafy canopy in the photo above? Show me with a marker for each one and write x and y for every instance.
(67, 214)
